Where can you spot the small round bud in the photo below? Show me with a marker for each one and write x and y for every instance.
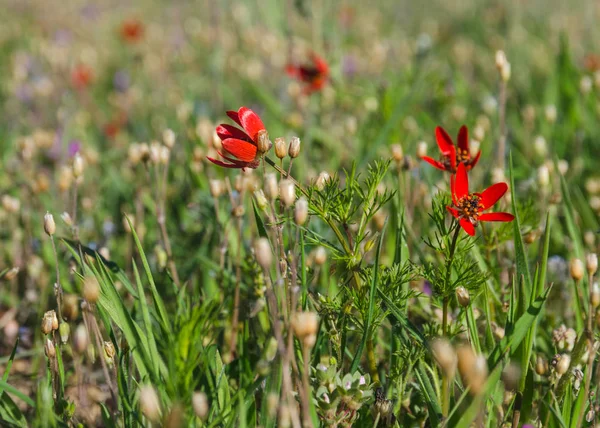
(585, 85)
(109, 350)
(49, 349)
(562, 364)
(270, 186)
(78, 165)
(149, 404)
(200, 405)
(66, 218)
(576, 269)
(216, 188)
(238, 211)
(592, 263)
(541, 366)
(563, 166)
(462, 295)
(306, 327)
(155, 152)
(80, 339)
(397, 153)
(49, 225)
(64, 330)
(472, 368)
(294, 149)
(595, 295)
(91, 289)
(421, 149)
(169, 138)
(301, 211)
(500, 59)
(320, 256)
(445, 356)
(261, 199)
(287, 192)
(322, 180)
(263, 143)
(280, 147)
(263, 253)
(49, 322)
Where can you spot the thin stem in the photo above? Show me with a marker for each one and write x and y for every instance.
(59, 291)
(502, 125)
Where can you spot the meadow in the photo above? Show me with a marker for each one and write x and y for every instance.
(299, 214)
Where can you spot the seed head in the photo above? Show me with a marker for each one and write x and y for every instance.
(294, 149)
(592, 263)
(78, 165)
(397, 153)
(49, 349)
(595, 295)
(421, 149)
(320, 256)
(287, 192)
(270, 186)
(200, 405)
(280, 147)
(301, 211)
(80, 339)
(149, 404)
(49, 225)
(463, 297)
(169, 138)
(91, 289)
(541, 366)
(576, 269)
(500, 59)
(445, 356)
(49, 322)
(263, 253)
(306, 327)
(472, 368)
(322, 180)
(561, 363)
(543, 176)
(263, 143)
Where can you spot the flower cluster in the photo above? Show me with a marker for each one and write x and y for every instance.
(466, 207)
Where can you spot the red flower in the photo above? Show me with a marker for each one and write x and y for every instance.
(132, 30)
(315, 75)
(240, 143)
(468, 207)
(81, 76)
(450, 154)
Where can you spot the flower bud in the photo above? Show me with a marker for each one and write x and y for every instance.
(280, 147)
(595, 295)
(66, 218)
(592, 263)
(576, 269)
(270, 186)
(80, 339)
(109, 351)
(397, 153)
(550, 113)
(505, 72)
(49, 322)
(263, 143)
(287, 192)
(163, 155)
(49, 349)
(306, 326)
(200, 405)
(320, 256)
(64, 330)
(500, 59)
(562, 363)
(91, 289)
(445, 356)
(294, 149)
(543, 176)
(541, 366)
(472, 368)
(149, 404)
(78, 165)
(261, 199)
(421, 149)
(301, 211)
(540, 146)
(563, 166)
(49, 225)
(463, 297)
(263, 253)
(322, 180)
(216, 188)
(169, 138)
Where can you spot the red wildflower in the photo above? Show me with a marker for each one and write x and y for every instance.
(468, 207)
(132, 30)
(81, 76)
(240, 143)
(314, 75)
(452, 155)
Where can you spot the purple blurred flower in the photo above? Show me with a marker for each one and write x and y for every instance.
(121, 80)
(349, 65)
(427, 289)
(74, 147)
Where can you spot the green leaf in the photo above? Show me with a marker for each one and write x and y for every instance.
(9, 389)
(435, 411)
(260, 225)
(401, 319)
(152, 348)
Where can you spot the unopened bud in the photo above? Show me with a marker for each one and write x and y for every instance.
(109, 350)
(563, 362)
(163, 155)
(287, 192)
(541, 366)
(576, 269)
(149, 404)
(49, 322)
(78, 165)
(263, 253)
(500, 59)
(91, 289)
(216, 188)
(294, 149)
(550, 113)
(169, 138)
(66, 218)
(261, 199)
(49, 349)
(49, 225)
(306, 327)
(585, 85)
(270, 186)
(543, 176)
(280, 147)
(462, 295)
(445, 356)
(595, 295)
(64, 330)
(592, 263)
(506, 72)
(238, 211)
(200, 405)
(472, 368)
(540, 146)
(397, 153)
(563, 166)
(301, 211)
(421, 149)
(322, 180)
(263, 143)
(320, 256)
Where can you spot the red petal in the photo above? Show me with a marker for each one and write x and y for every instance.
(223, 164)
(452, 211)
(496, 217)
(476, 159)
(461, 182)
(491, 195)
(467, 226)
(227, 131)
(242, 150)
(292, 70)
(233, 115)
(452, 179)
(250, 122)
(433, 162)
(444, 141)
(320, 64)
(463, 138)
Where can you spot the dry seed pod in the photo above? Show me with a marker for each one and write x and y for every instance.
(263, 254)
(149, 403)
(287, 192)
(576, 269)
(445, 356)
(263, 143)
(592, 263)
(294, 149)
(49, 225)
(472, 368)
(280, 147)
(301, 211)
(306, 327)
(200, 405)
(91, 289)
(80, 339)
(463, 297)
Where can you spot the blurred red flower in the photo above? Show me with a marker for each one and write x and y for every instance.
(468, 207)
(82, 76)
(452, 155)
(132, 30)
(314, 75)
(240, 143)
